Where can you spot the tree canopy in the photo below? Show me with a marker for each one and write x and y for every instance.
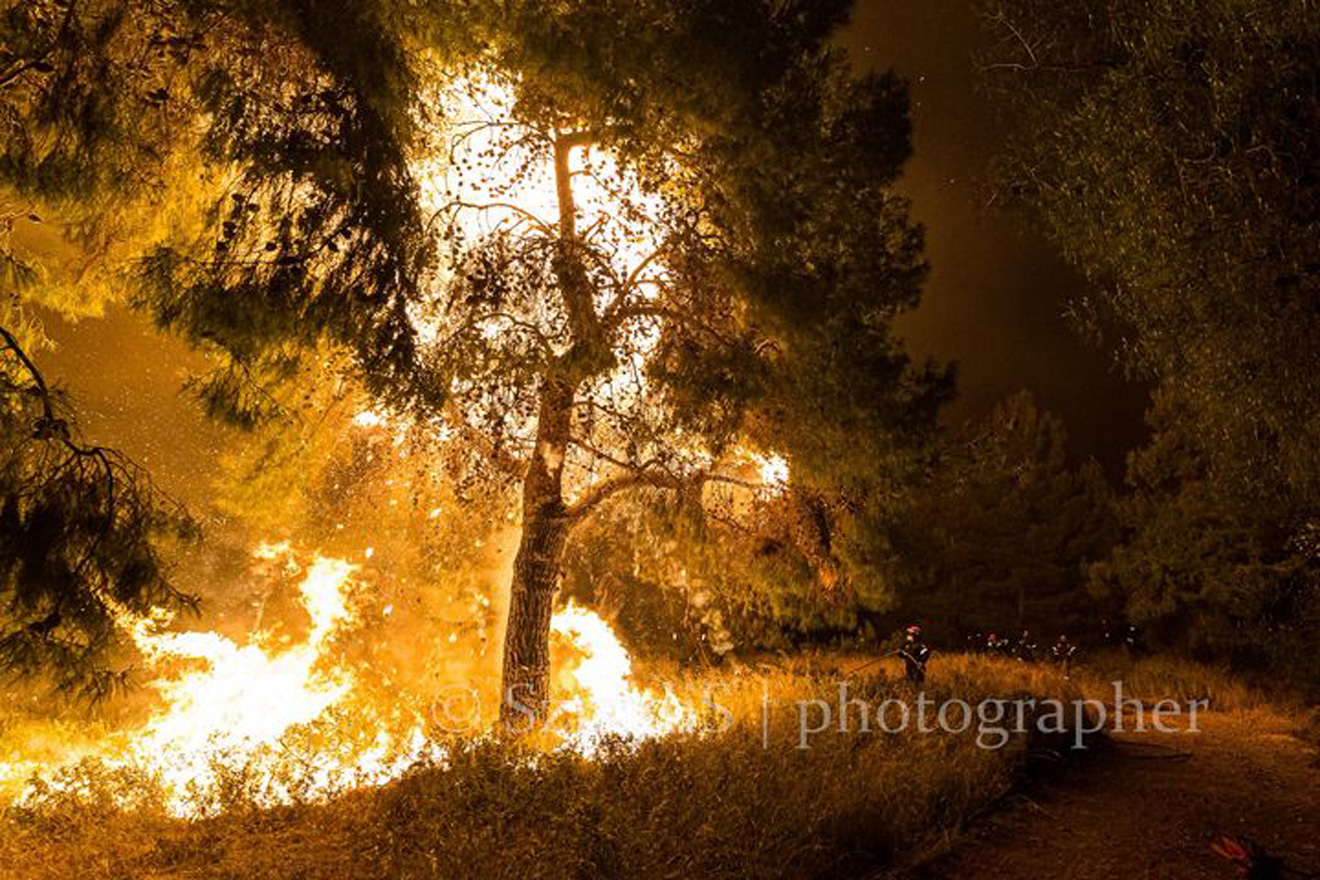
(1170, 150)
(603, 246)
(81, 529)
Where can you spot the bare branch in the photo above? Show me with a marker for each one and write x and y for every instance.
(540, 224)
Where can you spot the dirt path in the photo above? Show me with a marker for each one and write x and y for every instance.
(1130, 816)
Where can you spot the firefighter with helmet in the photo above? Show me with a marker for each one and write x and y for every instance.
(1062, 654)
(915, 655)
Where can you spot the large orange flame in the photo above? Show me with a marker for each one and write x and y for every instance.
(236, 707)
(236, 710)
(604, 700)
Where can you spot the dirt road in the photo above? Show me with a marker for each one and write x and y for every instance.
(1151, 808)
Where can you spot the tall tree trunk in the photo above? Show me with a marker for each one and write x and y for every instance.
(545, 526)
(545, 520)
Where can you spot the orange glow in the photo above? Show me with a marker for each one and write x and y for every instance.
(239, 710)
(604, 701)
(233, 713)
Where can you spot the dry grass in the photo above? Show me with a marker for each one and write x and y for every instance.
(743, 803)
(1168, 677)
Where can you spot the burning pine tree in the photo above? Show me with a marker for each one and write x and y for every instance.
(604, 249)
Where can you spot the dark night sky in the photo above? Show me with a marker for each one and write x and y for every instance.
(993, 303)
(996, 295)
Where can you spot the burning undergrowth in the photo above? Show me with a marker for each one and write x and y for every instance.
(303, 708)
(305, 748)
(743, 801)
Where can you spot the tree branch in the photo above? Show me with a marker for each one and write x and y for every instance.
(113, 464)
(494, 206)
(643, 477)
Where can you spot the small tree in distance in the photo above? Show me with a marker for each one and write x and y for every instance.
(1001, 534)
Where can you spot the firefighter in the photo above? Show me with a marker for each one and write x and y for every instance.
(1133, 643)
(1026, 648)
(915, 655)
(1062, 654)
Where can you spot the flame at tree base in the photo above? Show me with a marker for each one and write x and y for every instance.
(605, 702)
(280, 726)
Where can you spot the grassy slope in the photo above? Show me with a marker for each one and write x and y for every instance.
(727, 805)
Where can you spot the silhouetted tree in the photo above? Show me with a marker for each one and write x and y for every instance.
(88, 127)
(1000, 534)
(1170, 149)
(1206, 568)
(80, 534)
